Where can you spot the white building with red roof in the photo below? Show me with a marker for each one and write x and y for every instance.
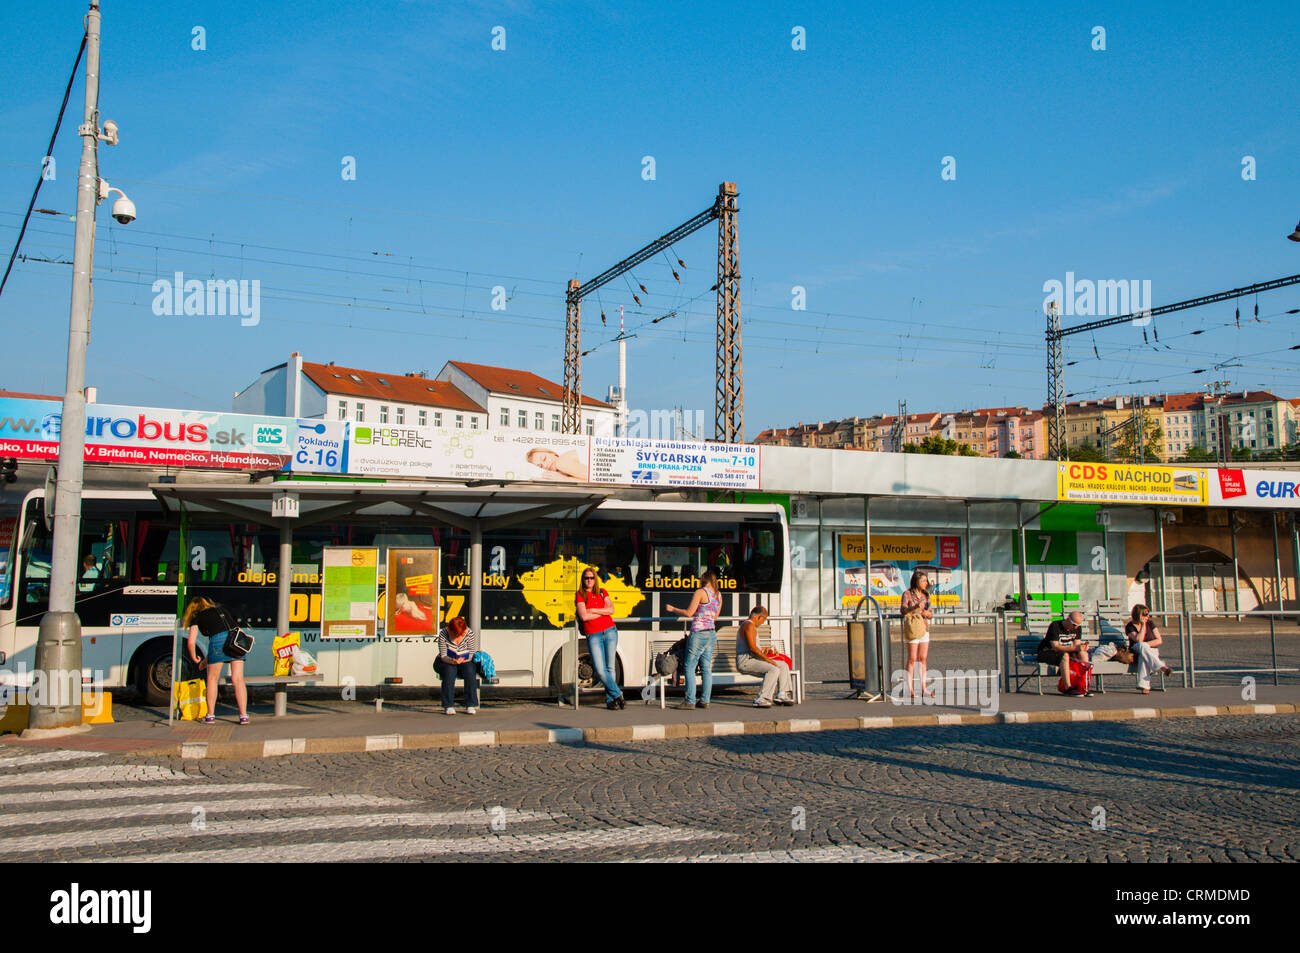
(462, 396)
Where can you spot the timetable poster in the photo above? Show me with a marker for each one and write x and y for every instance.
(349, 592)
(412, 586)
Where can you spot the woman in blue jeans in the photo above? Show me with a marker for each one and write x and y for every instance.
(703, 640)
(596, 620)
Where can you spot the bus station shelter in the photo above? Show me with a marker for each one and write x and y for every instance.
(287, 504)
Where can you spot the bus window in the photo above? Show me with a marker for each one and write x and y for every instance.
(101, 568)
(761, 566)
(8, 526)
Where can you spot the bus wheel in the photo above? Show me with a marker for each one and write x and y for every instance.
(587, 679)
(153, 672)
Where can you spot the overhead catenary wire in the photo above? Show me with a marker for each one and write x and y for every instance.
(49, 151)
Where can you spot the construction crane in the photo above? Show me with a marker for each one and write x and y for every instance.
(729, 424)
(1056, 443)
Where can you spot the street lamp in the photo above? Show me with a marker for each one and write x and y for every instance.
(58, 646)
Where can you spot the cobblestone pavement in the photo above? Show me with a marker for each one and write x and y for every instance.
(1188, 789)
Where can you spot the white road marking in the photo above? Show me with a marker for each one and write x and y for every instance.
(212, 807)
(100, 774)
(208, 790)
(605, 838)
(803, 855)
(180, 829)
(48, 757)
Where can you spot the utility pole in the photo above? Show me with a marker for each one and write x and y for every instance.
(900, 427)
(58, 646)
(1056, 448)
(729, 413)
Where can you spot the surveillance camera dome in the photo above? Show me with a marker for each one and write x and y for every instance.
(124, 211)
(110, 129)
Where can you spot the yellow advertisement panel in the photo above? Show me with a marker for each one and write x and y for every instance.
(917, 548)
(1131, 483)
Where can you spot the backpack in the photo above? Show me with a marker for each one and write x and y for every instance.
(666, 664)
(1080, 677)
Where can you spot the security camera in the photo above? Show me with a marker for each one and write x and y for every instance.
(124, 211)
(110, 133)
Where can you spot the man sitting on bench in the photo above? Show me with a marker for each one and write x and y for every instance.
(1063, 639)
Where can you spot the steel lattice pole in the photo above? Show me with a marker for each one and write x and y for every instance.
(729, 415)
(572, 359)
(1055, 385)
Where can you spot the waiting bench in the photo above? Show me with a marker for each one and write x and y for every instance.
(1024, 664)
(724, 664)
(281, 683)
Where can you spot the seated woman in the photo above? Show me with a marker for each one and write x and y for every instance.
(1143, 640)
(457, 643)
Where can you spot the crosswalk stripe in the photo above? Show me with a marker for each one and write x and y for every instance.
(211, 807)
(99, 774)
(588, 840)
(834, 855)
(209, 789)
(48, 757)
(180, 829)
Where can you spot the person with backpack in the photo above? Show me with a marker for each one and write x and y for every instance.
(457, 645)
(1143, 641)
(703, 640)
(1064, 644)
(596, 621)
(754, 660)
(203, 616)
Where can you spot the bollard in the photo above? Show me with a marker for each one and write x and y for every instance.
(57, 679)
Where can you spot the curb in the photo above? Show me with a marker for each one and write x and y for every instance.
(243, 750)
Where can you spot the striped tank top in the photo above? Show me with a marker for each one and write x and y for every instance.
(707, 613)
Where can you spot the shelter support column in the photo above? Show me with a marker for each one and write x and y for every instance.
(476, 577)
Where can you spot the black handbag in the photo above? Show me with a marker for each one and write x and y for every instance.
(238, 642)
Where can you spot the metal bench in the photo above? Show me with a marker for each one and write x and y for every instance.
(281, 683)
(1024, 665)
(724, 664)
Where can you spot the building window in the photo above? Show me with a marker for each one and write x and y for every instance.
(343, 410)
(505, 416)
(591, 426)
(523, 420)
(473, 421)
(460, 421)
(401, 415)
(555, 423)
(361, 412)
(437, 418)
(422, 417)
(537, 420)
(383, 413)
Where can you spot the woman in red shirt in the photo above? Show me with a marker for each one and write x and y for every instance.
(596, 622)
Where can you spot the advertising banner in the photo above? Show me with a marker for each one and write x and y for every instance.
(349, 592)
(1131, 483)
(893, 560)
(149, 436)
(412, 594)
(1256, 489)
(674, 463)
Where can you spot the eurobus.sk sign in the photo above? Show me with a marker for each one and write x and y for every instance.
(148, 436)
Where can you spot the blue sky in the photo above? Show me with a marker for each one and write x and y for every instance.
(523, 168)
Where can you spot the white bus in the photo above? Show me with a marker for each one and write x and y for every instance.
(648, 554)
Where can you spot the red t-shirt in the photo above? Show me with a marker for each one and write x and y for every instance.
(594, 600)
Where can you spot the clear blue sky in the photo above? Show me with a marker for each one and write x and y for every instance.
(522, 168)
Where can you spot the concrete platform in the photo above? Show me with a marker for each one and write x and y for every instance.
(327, 727)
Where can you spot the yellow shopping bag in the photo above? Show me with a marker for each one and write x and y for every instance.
(190, 699)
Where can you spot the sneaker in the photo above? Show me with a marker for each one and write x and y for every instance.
(243, 719)
(449, 711)
(1074, 692)
(784, 700)
(470, 711)
(762, 703)
(690, 705)
(209, 719)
